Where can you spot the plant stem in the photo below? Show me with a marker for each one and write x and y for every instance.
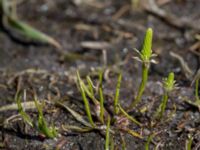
(145, 70)
(107, 135)
(163, 104)
(87, 107)
(116, 100)
(149, 139)
(84, 89)
(128, 116)
(101, 105)
(101, 96)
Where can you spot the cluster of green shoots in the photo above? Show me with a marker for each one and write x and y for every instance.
(114, 119)
(41, 126)
(109, 120)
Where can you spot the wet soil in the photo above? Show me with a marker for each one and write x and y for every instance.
(120, 28)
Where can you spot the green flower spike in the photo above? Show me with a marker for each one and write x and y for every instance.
(146, 54)
(169, 83)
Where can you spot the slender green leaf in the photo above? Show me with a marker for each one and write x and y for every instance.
(128, 116)
(107, 143)
(76, 115)
(31, 33)
(49, 132)
(116, 100)
(23, 114)
(85, 100)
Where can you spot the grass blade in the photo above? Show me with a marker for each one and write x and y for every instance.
(116, 100)
(23, 114)
(49, 132)
(76, 115)
(101, 97)
(85, 100)
(76, 128)
(30, 32)
(133, 133)
(107, 143)
(90, 85)
(189, 143)
(149, 139)
(101, 105)
(128, 116)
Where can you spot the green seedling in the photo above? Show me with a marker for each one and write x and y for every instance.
(145, 56)
(49, 132)
(85, 100)
(117, 119)
(168, 86)
(23, 114)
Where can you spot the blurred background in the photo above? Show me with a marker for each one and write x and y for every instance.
(85, 29)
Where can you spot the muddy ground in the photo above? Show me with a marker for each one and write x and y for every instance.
(118, 27)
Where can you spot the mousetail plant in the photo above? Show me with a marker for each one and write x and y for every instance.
(168, 86)
(145, 56)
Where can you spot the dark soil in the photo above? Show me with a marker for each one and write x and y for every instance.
(53, 73)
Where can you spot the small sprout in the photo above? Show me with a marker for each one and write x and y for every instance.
(145, 56)
(49, 132)
(168, 85)
(85, 100)
(23, 114)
